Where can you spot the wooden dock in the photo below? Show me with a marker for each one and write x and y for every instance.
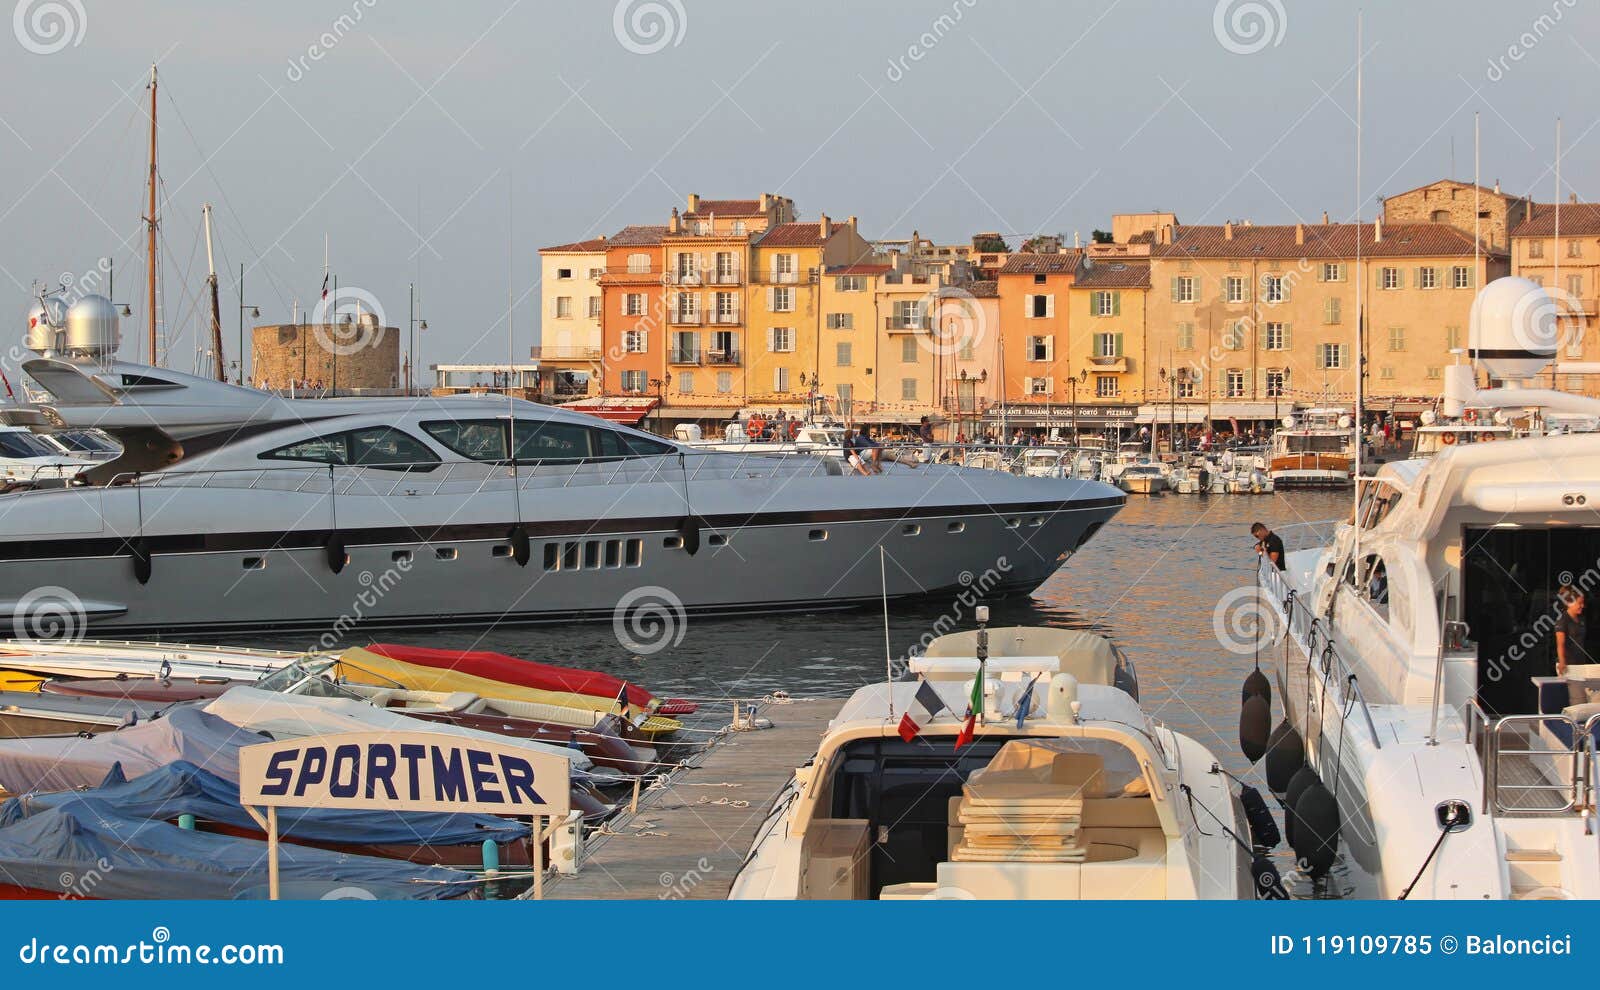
(691, 833)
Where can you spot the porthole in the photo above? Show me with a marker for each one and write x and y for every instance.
(817, 535)
(956, 527)
(911, 529)
(401, 557)
(717, 540)
(444, 553)
(254, 563)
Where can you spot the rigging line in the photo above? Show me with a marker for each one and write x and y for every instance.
(1188, 792)
(1449, 827)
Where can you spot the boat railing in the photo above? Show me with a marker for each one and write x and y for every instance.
(1527, 769)
(1323, 662)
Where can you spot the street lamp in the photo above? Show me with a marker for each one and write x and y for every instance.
(415, 325)
(660, 385)
(255, 314)
(1072, 386)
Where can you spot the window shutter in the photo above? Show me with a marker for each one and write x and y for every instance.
(1050, 305)
(772, 338)
(1284, 283)
(1116, 343)
(1288, 336)
(1322, 273)
(1174, 288)
(1261, 337)
(1050, 348)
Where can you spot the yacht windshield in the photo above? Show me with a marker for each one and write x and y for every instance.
(1314, 444)
(380, 447)
(85, 441)
(19, 443)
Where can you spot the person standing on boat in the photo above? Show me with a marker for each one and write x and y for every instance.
(1571, 630)
(1268, 544)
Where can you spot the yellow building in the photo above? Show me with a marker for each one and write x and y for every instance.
(1568, 266)
(912, 353)
(1107, 359)
(851, 342)
(570, 352)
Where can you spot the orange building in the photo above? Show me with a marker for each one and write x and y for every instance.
(1034, 317)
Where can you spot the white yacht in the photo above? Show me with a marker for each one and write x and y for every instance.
(1416, 669)
(27, 459)
(232, 508)
(823, 439)
(1316, 450)
(1082, 797)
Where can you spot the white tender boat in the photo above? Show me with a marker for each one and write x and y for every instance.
(1090, 798)
(1315, 450)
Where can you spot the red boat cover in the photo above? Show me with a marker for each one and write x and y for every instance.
(527, 673)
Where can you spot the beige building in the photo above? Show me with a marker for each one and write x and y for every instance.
(1566, 261)
(569, 349)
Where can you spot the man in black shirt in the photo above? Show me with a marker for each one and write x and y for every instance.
(1268, 544)
(1570, 630)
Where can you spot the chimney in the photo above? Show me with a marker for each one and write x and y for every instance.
(694, 203)
(825, 227)
(1324, 218)
(1497, 187)
(1164, 234)
(1572, 198)
(1227, 231)
(766, 202)
(1299, 233)
(1377, 229)
(674, 225)
(851, 223)
(1077, 239)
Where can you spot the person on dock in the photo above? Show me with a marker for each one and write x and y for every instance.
(1268, 544)
(1571, 630)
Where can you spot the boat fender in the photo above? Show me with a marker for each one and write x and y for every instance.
(689, 532)
(1316, 829)
(186, 822)
(1263, 829)
(334, 550)
(140, 551)
(521, 549)
(1257, 684)
(1303, 778)
(1269, 885)
(1255, 724)
(491, 858)
(1286, 753)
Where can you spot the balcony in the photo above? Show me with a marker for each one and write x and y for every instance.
(724, 319)
(904, 324)
(679, 356)
(723, 278)
(563, 352)
(682, 278)
(723, 357)
(1109, 363)
(633, 276)
(680, 318)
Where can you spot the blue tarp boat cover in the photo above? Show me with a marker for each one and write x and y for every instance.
(183, 788)
(79, 850)
(64, 763)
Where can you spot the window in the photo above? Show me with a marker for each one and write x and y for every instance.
(841, 354)
(846, 392)
(1186, 388)
(1105, 386)
(1040, 280)
(1277, 382)
(375, 446)
(738, 228)
(1332, 310)
(908, 389)
(1574, 248)
(686, 308)
(841, 321)
(563, 274)
(907, 314)
(1107, 345)
(724, 382)
(1183, 289)
(1038, 386)
(1435, 373)
(687, 267)
(635, 341)
(1104, 303)
(1391, 278)
(593, 308)
(1185, 337)
(780, 299)
(1452, 338)
(780, 340)
(850, 283)
(686, 348)
(727, 307)
(1460, 277)
(1397, 338)
(1536, 249)
(563, 307)
(633, 381)
(1332, 271)
(1274, 338)
(685, 383)
(595, 273)
(1234, 387)
(908, 350)
(727, 268)
(1233, 335)
(633, 304)
(1427, 277)
(638, 264)
(1575, 286)
(964, 352)
(1272, 289)
(780, 379)
(1330, 356)
(476, 439)
(1386, 372)
(1233, 289)
(1040, 306)
(1041, 348)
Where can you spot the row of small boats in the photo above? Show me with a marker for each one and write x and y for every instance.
(121, 764)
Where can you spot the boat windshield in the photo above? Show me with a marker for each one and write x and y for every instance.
(1315, 443)
(20, 443)
(85, 441)
(311, 678)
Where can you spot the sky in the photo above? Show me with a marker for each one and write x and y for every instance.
(442, 144)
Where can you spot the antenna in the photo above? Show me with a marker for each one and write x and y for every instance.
(1477, 236)
(1361, 336)
(888, 651)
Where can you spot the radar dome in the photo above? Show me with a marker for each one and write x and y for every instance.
(93, 327)
(1429, 417)
(46, 319)
(1288, 422)
(1515, 330)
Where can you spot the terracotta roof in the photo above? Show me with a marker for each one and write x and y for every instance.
(1114, 275)
(729, 207)
(985, 289)
(638, 235)
(795, 234)
(576, 247)
(1062, 263)
(1578, 219)
(860, 269)
(1333, 240)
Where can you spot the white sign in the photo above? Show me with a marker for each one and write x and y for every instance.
(405, 771)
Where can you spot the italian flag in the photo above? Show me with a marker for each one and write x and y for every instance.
(925, 707)
(974, 706)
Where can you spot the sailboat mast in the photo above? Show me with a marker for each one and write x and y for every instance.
(216, 309)
(150, 224)
(1361, 316)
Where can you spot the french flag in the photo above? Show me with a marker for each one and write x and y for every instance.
(924, 708)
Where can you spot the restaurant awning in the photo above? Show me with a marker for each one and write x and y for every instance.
(628, 412)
